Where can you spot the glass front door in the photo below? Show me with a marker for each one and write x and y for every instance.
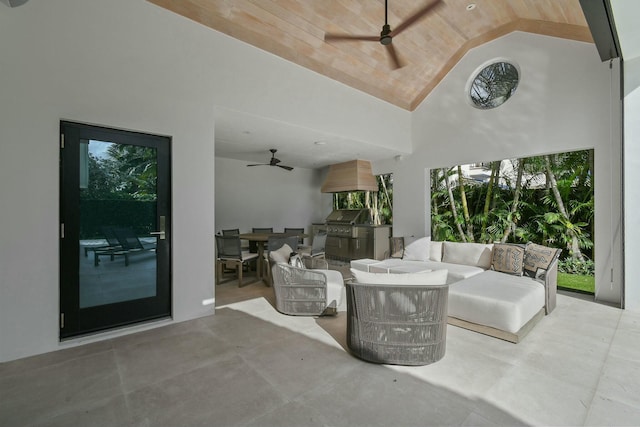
(115, 228)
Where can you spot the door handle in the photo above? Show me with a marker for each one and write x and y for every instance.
(161, 234)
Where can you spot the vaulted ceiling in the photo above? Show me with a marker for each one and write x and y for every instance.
(295, 30)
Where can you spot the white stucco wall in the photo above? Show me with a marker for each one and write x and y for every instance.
(130, 64)
(563, 103)
(268, 197)
(631, 188)
(109, 63)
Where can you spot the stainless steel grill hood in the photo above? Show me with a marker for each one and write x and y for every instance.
(355, 175)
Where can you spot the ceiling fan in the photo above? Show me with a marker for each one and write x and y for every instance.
(274, 161)
(386, 35)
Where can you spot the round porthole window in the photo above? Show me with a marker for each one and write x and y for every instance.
(493, 85)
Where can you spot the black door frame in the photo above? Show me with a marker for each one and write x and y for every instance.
(76, 321)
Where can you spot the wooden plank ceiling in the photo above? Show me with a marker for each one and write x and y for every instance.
(295, 29)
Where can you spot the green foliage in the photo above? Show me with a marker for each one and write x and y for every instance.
(537, 217)
(121, 190)
(573, 266)
(137, 168)
(128, 172)
(381, 202)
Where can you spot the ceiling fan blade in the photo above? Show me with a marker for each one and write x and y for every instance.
(260, 164)
(393, 55)
(413, 18)
(289, 168)
(346, 37)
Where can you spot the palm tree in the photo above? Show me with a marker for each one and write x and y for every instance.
(138, 169)
(488, 200)
(452, 204)
(465, 206)
(513, 212)
(572, 230)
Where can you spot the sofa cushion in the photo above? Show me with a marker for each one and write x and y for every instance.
(435, 251)
(497, 300)
(416, 249)
(507, 258)
(408, 268)
(475, 254)
(459, 272)
(363, 264)
(438, 277)
(281, 255)
(455, 271)
(384, 266)
(537, 259)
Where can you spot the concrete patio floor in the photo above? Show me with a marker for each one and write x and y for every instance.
(249, 365)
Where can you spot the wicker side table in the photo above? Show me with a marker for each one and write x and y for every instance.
(397, 324)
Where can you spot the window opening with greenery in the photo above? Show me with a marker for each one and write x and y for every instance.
(545, 199)
(380, 203)
(494, 85)
(120, 188)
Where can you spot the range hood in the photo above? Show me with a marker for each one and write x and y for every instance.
(354, 175)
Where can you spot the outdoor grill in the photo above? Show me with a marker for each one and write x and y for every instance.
(347, 233)
(340, 222)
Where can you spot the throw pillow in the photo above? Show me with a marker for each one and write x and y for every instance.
(435, 251)
(537, 259)
(474, 254)
(417, 249)
(281, 255)
(436, 277)
(507, 258)
(296, 261)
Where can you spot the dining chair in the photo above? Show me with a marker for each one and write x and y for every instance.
(229, 252)
(396, 248)
(262, 230)
(245, 245)
(231, 232)
(253, 246)
(317, 246)
(297, 231)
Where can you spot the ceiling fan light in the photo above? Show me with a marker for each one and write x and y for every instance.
(385, 35)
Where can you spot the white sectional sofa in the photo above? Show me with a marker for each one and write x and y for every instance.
(500, 290)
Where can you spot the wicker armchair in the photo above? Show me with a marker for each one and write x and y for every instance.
(397, 324)
(275, 243)
(305, 292)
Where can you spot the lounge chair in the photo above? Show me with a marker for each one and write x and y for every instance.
(110, 237)
(130, 244)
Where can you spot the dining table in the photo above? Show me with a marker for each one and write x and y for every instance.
(261, 239)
